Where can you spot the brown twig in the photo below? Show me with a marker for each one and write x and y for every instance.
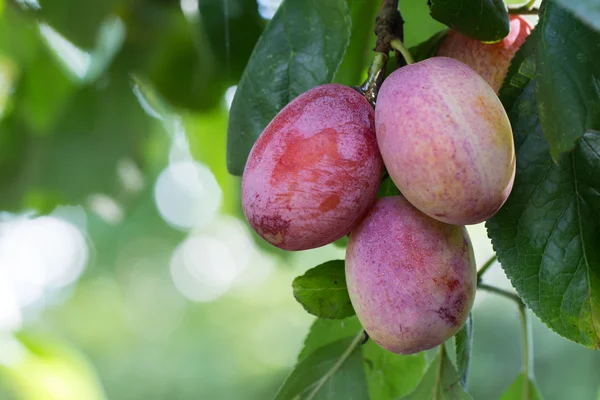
(389, 25)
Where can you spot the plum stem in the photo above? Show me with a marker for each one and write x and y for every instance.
(388, 25)
(399, 47)
(486, 266)
(375, 77)
(526, 334)
(357, 340)
(500, 292)
(527, 338)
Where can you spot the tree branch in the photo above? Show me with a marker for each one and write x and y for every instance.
(486, 266)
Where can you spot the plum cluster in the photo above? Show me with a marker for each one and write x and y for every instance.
(443, 136)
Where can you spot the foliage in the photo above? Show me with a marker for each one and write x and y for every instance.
(545, 233)
(322, 291)
(88, 87)
(288, 60)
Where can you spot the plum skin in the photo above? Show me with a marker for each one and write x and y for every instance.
(491, 61)
(411, 278)
(315, 170)
(446, 140)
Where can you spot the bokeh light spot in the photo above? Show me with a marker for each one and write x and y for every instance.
(41, 254)
(267, 8)
(187, 194)
(203, 268)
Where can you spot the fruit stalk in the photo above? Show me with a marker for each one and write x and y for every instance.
(486, 266)
(388, 26)
(370, 87)
(527, 338)
(399, 47)
(526, 333)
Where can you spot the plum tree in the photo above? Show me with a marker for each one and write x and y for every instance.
(490, 60)
(411, 278)
(314, 171)
(446, 140)
(444, 136)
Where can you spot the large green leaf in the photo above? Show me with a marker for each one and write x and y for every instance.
(325, 331)
(232, 28)
(390, 375)
(547, 233)
(440, 382)
(464, 342)
(520, 72)
(568, 78)
(332, 372)
(485, 20)
(587, 10)
(302, 47)
(322, 291)
(176, 58)
(523, 388)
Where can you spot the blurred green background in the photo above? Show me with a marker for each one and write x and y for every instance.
(127, 270)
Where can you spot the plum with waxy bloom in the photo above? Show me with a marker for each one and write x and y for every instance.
(490, 60)
(446, 140)
(411, 278)
(314, 172)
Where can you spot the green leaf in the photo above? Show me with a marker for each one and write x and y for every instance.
(390, 375)
(547, 234)
(358, 53)
(518, 391)
(322, 291)
(520, 72)
(179, 62)
(44, 94)
(82, 29)
(388, 188)
(302, 47)
(325, 331)
(464, 341)
(99, 129)
(331, 372)
(586, 10)
(568, 78)
(429, 47)
(440, 382)
(485, 20)
(232, 28)
(342, 242)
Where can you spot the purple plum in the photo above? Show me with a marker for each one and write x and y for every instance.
(411, 278)
(314, 172)
(446, 140)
